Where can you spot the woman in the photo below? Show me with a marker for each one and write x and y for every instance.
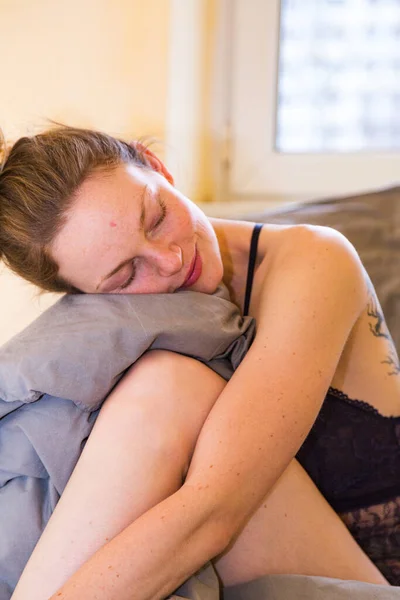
(82, 212)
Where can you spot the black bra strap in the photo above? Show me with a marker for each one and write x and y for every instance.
(252, 262)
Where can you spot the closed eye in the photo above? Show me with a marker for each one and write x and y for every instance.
(128, 281)
(163, 213)
(157, 224)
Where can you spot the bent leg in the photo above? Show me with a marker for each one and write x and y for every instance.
(137, 454)
(295, 531)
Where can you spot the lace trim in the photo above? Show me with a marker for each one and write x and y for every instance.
(360, 404)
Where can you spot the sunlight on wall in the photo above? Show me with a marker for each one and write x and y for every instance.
(89, 63)
(129, 67)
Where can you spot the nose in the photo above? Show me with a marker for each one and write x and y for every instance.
(167, 259)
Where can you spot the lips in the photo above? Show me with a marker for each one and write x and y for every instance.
(191, 268)
(194, 271)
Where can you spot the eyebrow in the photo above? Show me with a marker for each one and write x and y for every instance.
(141, 226)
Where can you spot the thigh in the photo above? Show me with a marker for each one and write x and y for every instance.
(136, 455)
(296, 531)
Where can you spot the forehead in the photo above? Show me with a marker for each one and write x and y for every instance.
(105, 207)
(109, 190)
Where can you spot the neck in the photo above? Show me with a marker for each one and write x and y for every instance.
(234, 243)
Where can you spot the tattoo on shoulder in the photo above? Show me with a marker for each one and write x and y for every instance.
(378, 328)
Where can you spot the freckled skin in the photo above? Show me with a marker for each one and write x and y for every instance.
(104, 229)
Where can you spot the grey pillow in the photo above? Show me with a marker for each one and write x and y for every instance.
(82, 345)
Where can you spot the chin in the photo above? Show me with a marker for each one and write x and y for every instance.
(211, 286)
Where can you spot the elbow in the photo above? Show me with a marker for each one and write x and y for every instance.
(211, 521)
(224, 535)
(217, 536)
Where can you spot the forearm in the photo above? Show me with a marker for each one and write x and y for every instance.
(155, 554)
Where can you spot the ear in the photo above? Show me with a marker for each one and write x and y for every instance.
(154, 162)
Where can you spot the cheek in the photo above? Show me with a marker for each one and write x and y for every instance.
(206, 232)
(180, 222)
(187, 224)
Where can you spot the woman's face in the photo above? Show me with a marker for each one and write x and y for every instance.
(130, 231)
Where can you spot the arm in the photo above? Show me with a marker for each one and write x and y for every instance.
(316, 291)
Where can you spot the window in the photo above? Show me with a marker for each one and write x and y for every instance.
(315, 96)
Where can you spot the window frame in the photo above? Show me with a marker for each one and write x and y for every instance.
(256, 167)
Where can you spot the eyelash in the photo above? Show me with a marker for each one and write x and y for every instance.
(163, 213)
(158, 223)
(127, 282)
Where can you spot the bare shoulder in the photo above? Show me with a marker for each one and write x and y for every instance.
(309, 246)
(303, 239)
(310, 262)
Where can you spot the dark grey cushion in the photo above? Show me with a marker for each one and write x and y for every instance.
(303, 587)
(204, 586)
(372, 223)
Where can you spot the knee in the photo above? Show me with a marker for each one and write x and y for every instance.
(167, 396)
(161, 374)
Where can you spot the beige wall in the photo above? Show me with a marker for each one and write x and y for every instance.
(101, 63)
(98, 63)
(130, 67)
